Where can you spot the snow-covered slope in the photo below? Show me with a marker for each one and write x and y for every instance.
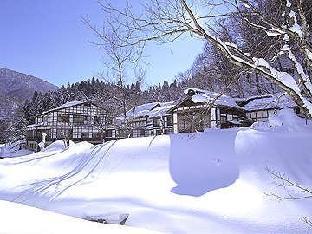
(16, 87)
(212, 182)
(21, 219)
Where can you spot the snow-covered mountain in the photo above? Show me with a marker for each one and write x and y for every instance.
(16, 87)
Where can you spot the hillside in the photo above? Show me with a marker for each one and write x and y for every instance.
(16, 87)
(212, 182)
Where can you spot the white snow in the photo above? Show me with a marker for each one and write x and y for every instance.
(204, 96)
(212, 182)
(288, 3)
(296, 28)
(66, 105)
(286, 121)
(13, 150)
(21, 219)
(162, 109)
(153, 109)
(142, 110)
(277, 101)
(272, 34)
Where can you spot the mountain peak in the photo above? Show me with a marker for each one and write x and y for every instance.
(16, 87)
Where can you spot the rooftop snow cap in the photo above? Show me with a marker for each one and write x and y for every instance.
(153, 109)
(277, 101)
(162, 109)
(204, 96)
(67, 104)
(142, 110)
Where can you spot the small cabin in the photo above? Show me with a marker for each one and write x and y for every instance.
(75, 120)
(200, 109)
(260, 108)
(150, 119)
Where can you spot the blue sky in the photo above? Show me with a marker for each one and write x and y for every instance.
(46, 38)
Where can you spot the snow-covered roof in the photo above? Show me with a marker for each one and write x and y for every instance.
(277, 101)
(66, 105)
(41, 125)
(35, 125)
(151, 109)
(142, 110)
(162, 109)
(204, 96)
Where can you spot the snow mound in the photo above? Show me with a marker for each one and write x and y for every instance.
(21, 219)
(284, 120)
(13, 150)
(269, 101)
(57, 145)
(199, 171)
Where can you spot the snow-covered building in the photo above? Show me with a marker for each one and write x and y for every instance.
(150, 119)
(200, 109)
(260, 108)
(75, 120)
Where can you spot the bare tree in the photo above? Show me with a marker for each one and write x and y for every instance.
(119, 60)
(167, 20)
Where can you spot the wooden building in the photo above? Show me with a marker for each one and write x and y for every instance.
(76, 121)
(200, 109)
(150, 119)
(260, 108)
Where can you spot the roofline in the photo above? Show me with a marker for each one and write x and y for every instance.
(262, 109)
(61, 108)
(250, 99)
(213, 104)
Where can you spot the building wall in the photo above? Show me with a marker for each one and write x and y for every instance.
(150, 126)
(261, 115)
(84, 122)
(197, 117)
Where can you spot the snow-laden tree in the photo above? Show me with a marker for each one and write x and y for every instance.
(289, 35)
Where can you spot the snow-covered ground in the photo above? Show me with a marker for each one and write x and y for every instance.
(12, 150)
(212, 182)
(21, 219)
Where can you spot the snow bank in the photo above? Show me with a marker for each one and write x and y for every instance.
(13, 150)
(198, 169)
(57, 145)
(284, 120)
(21, 219)
(212, 182)
(277, 101)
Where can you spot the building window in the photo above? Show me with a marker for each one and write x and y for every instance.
(97, 135)
(156, 122)
(78, 119)
(169, 121)
(109, 120)
(109, 133)
(84, 135)
(97, 119)
(63, 118)
(223, 118)
(142, 132)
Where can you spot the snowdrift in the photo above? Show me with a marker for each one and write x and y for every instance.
(13, 150)
(35, 221)
(219, 181)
